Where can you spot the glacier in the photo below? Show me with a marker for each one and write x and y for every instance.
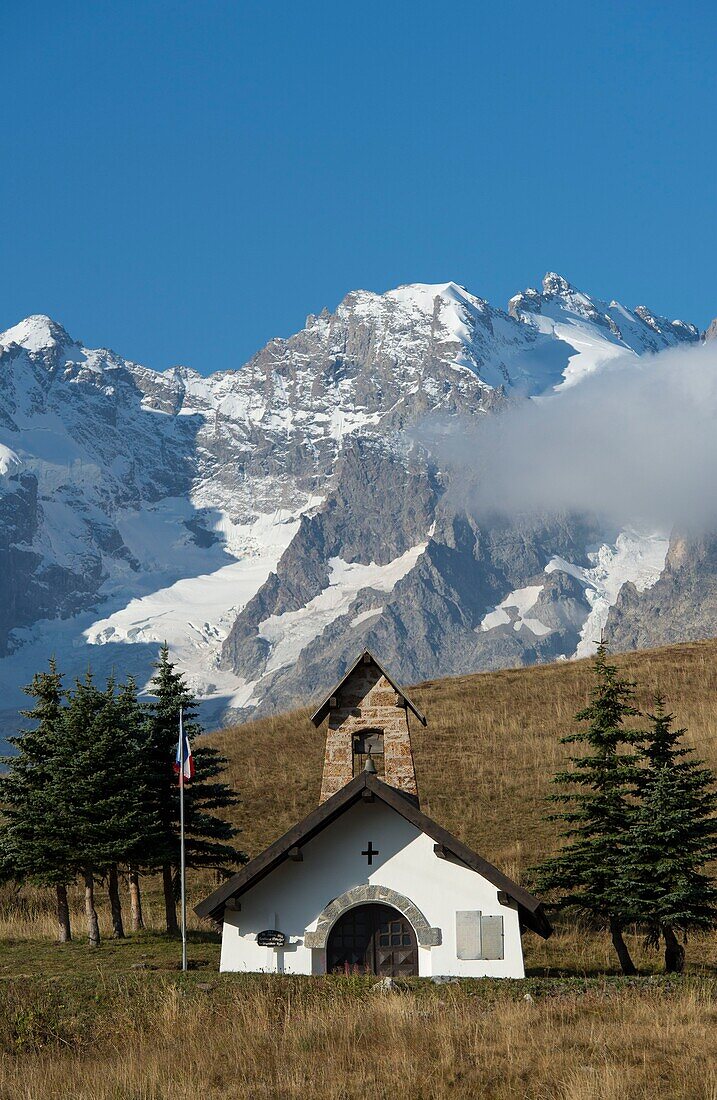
(269, 518)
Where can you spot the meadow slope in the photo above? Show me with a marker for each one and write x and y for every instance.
(484, 761)
(120, 1023)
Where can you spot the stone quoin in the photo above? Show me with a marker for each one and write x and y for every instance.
(367, 883)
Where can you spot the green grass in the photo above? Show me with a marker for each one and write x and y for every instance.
(143, 952)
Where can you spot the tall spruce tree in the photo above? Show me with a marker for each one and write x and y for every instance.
(598, 799)
(133, 719)
(207, 836)
(35, 846)
(132, 723)
(672, 838)
(103, 783)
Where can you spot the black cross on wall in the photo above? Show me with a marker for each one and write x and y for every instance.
(370, 852)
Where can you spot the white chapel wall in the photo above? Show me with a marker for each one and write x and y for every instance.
(292, 897)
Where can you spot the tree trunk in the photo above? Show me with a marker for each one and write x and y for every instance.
(170, 904)
(115, 903)
(135, 901)
(64, 932)
(674, 951)
(626, 963)
(93, 927)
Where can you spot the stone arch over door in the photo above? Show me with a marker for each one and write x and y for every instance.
(360, 895)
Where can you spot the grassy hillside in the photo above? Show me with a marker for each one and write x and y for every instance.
(120, 1022)
(484, 761)
(484, 765)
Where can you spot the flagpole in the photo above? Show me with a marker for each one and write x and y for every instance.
(181, 844)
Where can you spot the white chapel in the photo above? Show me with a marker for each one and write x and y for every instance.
(367, 883)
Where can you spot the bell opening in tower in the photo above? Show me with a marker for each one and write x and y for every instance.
(368, 743)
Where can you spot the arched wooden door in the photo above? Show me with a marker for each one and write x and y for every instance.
(372, 939)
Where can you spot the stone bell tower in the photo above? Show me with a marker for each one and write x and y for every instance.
(368, 716)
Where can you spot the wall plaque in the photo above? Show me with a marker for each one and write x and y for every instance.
(468, 929)
(270, 937)
(491, 933)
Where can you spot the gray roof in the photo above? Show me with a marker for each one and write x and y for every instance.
(530, 908)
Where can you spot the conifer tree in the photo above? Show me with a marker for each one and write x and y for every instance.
(207, 836)
(101, 775)
(35, 847)
(133, 720)
(672, 838)
(598, 803)
(170, 695)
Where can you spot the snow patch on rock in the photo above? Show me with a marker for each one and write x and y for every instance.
(366, 615)
(632, 556)
(35, 334)
(288, 634)
(9, 462)
(520, 602)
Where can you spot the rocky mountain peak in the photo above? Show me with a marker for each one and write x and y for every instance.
(425, 294)
(554, 284)
(555, 289)
(611, 328)
(530, 301)
(37, 333)
(680, 330)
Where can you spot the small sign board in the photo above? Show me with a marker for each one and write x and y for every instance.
(270, 937)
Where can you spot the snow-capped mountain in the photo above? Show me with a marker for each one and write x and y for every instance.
(271, 518)
(600, 331)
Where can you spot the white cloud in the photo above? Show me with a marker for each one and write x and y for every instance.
(635, 443)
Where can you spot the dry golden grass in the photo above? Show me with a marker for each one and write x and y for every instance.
(29, 915)
(284, 1038)
(84, 1025)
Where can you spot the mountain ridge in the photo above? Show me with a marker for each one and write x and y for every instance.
(138, 505)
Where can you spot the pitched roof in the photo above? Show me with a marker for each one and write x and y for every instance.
(323, 710)
(530, 908)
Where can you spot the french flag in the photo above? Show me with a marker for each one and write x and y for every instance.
(184, 761)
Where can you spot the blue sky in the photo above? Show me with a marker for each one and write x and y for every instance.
(183, 181)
